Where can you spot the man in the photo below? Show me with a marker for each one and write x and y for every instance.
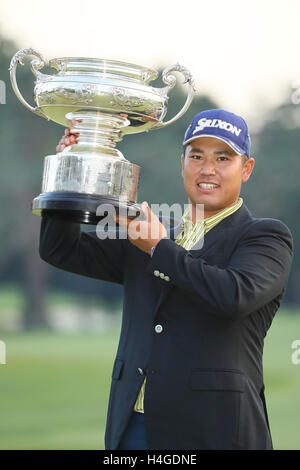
(188, 371)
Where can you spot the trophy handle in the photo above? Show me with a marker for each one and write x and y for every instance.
(170, 80)
(35, 66)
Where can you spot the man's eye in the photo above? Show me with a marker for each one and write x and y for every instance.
(196, 157)
(226, 158)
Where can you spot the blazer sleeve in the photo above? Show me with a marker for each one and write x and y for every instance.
(63, 245)
(256, 273)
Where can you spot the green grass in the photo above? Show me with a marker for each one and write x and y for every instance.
(54, 388)
(282, 381)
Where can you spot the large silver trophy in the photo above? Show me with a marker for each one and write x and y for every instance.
(102, 100)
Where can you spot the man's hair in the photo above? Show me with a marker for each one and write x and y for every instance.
(244, 156)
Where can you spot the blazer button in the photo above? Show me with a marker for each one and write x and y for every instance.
(167, 278)
(162, 276)
(156, 273)
(140, 371)
(158, 329)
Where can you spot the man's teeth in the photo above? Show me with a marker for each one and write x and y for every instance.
(207, 186)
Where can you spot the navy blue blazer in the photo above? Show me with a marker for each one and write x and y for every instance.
(214, 305)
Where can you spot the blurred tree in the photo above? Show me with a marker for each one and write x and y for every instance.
(25, 138)
(273, 188)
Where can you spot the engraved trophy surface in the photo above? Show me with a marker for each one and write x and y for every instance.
(102, 100)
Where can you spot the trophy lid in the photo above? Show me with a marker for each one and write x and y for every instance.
(78, 65)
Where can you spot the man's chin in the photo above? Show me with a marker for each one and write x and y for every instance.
(208, 201)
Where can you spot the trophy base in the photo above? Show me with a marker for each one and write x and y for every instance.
(81, 208)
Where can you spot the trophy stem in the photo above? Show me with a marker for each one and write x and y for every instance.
(98, 132)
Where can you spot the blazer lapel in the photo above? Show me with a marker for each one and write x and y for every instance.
(211, 241)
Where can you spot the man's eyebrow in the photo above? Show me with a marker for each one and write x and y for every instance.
(227, 152)
(196, 150)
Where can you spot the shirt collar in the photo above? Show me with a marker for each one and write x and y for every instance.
(209, 220)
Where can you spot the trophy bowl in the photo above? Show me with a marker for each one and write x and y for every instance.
(102, 100)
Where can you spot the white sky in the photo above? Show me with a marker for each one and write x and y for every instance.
(244, 54)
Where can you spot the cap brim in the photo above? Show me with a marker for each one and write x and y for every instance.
(234, 147)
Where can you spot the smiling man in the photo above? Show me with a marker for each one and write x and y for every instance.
(216, 160)
(188, 372)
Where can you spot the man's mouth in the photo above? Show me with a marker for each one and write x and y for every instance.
(207, 187)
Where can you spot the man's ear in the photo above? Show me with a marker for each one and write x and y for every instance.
(247, 169)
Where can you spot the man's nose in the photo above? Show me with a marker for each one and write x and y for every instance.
(207, 168)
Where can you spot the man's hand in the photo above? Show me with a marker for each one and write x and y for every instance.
(146, 233)
(66, 140)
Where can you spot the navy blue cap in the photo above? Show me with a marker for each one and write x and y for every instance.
(222, 125)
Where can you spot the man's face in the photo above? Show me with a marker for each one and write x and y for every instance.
(210, 160)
